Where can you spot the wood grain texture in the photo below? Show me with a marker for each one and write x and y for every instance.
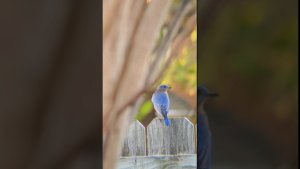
(159, 162)
(135, 141)
(176, 139)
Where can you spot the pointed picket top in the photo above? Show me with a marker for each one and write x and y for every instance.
(135, 140)
(176, 139)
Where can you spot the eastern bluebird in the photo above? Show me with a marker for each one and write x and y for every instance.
(203, 131)
(161, 102)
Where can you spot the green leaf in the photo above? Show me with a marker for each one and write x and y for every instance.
(145, 109)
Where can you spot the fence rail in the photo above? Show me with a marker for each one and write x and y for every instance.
(159, 146)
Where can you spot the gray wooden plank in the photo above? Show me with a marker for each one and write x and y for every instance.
(159, 162)
(178, 138)
(135, 140)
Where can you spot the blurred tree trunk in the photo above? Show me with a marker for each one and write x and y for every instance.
(129, 35)
(132, 61)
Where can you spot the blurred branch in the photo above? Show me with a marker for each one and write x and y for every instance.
(179, 42)
(160, 51)
(127, 47)
(174, 40)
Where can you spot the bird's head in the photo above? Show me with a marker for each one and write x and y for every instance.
(163, 88)
(203, 93)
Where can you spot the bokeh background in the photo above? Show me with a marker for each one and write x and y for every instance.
(181, 73)
(247, 52)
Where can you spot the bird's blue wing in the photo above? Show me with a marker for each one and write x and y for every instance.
(161, 102)
(161, 105)
(164, 109)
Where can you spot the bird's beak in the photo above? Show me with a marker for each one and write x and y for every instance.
(213, 94)
(169, 87)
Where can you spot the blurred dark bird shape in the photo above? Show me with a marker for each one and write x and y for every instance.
(203, 131)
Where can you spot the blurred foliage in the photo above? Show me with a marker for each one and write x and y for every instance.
(144, 110)
(249, 55)
(181, 75)
(256, 50)
(182, 71)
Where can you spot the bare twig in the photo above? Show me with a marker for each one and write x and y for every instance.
(165, 44)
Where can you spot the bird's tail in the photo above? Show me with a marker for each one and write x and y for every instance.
(166, 120)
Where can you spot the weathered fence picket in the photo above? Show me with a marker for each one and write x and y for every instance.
(176, 139)
(160, 146)
(135, 141)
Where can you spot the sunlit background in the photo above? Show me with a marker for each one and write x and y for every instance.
(180, 75)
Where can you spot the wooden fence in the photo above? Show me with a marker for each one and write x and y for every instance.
(159, 146)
